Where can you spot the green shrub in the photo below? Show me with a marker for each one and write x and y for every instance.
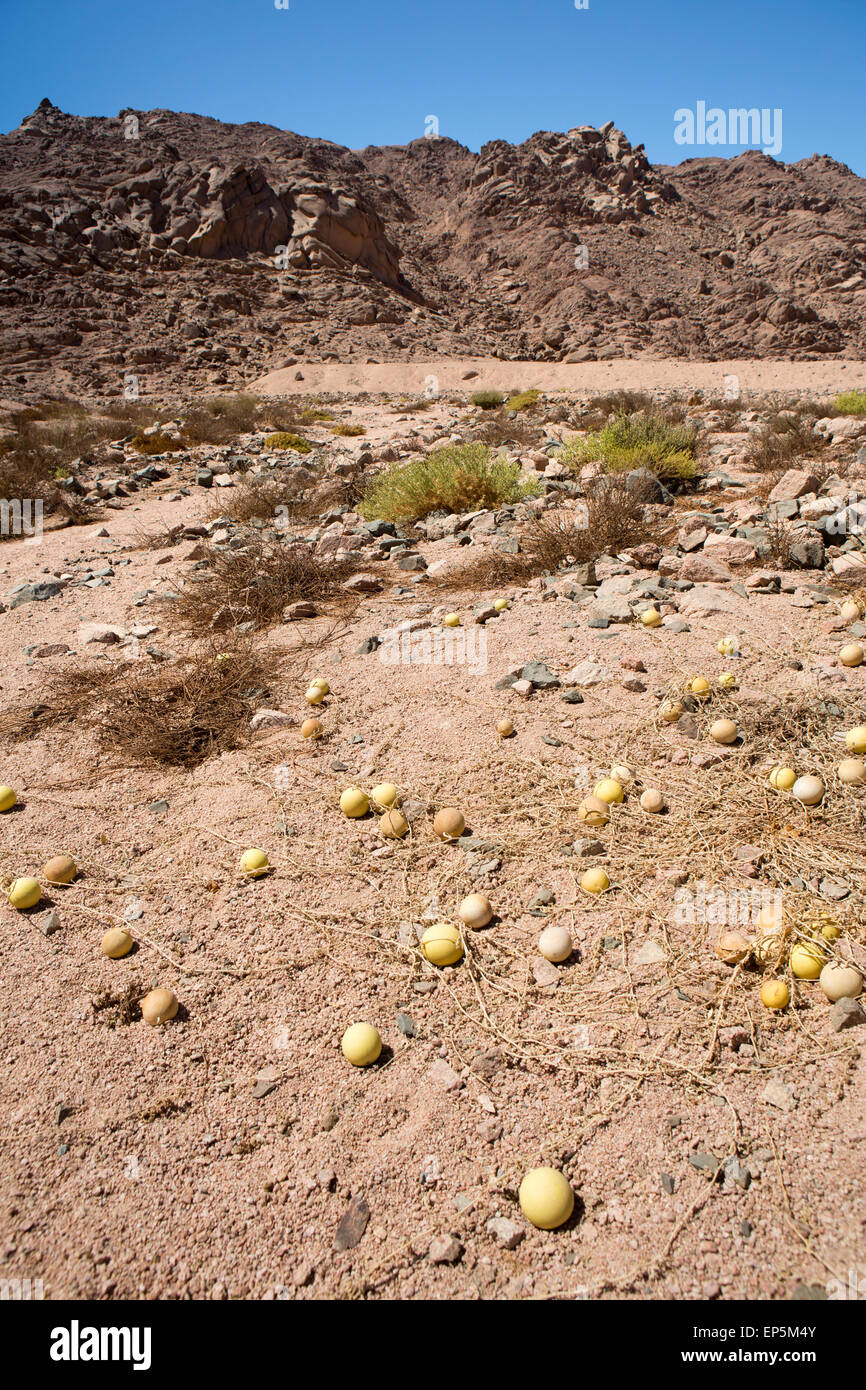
(457, 478)
(283, 440)
(522, 401)
(851, 403)
(348, 431)
(488, 400)
(311, 415)
(637, 441)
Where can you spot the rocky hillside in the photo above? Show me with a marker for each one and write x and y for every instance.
(188, 253)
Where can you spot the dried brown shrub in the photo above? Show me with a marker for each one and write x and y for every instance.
(178, 715)
(255, 583)
(612, 519)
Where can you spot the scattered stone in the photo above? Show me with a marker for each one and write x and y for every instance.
(508, 1233)
(545, 974)
(779, 1094)
(302, 609)
(444, 1250)
(650, 953)
(444, 1076)
(846, 1013)
(353, 1225)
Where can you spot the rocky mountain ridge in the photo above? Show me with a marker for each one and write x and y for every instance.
(181, 252)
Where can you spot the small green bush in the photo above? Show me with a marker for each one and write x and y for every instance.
(488, 400)
(522, 400)
(284, 440)
(311, 415)
(348, 431)
(851, 403)
(637, 441)
(456, 478)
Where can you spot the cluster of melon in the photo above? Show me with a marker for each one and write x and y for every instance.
(24, 893)
(159, 1005)
(810, 789)
(595, 812)
(453, 619)
(700, 688)
(852, 610)
(808, 957)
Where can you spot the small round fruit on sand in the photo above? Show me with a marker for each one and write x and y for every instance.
(724, 731)
(475, 911)
(775, 994)
(441, 944)
(852, 610)
(809, 790)
(451, 620)
(504, 728)
(393, 825)
(361, 1044)
(315, 695)
(807, 961)
(856, 739)
(651, 617)
(61, 869)
(782, 778)
(732, 947)
(839, 980)
(254, 863)
(852, 654)
(593, 811)
(546, 1198)
(652, 801)
(700, 688)
(24, 893)
(384, 795)
(449, 823)
(555, 944)
(595, 881)
(852, 772)
(671, 711)
(158, 1007)
(116, 943)
(8, 799)
(354, 803)
(312, 728)
(609, 790)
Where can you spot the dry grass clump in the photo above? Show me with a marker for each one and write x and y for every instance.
(178, 715)
(526, 431)
(783, 441)
(45, 441)
(255, 583)
(611, 519)
(348, 431)
(262, 499)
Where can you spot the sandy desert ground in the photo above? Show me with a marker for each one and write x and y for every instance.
(715, 1148)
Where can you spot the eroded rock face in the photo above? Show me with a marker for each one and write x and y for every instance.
(188, 251)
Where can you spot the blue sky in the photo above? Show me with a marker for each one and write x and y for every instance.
(371, 72)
